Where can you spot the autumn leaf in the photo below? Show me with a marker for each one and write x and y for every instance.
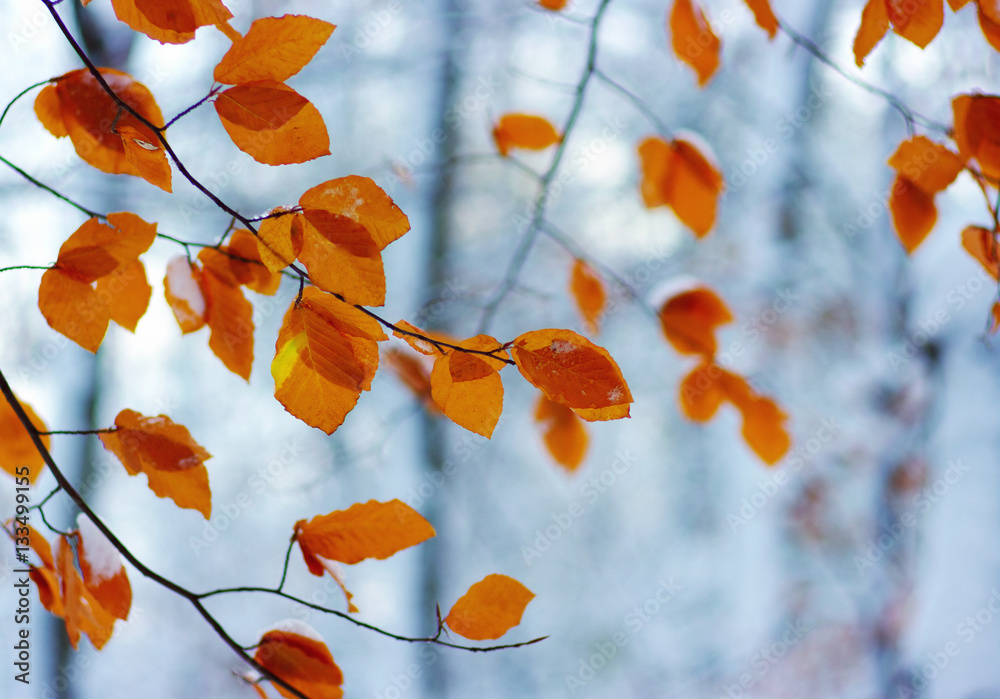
(588, 292)
(690, 317)
(17, 449)
(704, 390)
(490, 608)
(146, 158)
(990, 26)
(230, 318)
(874, 25)
(326, 354)
(272, 123)
(81, 610)
(67, 297)
(981, 243)
(924, 168)
(77, 106)
(680, 175)
(103, 573)
(467, 387)
(553, 5)
(168, 455)
(275, 48)
(524, 131)
(362, 201)
(764, 16)
(182, 287)
(917, 22)
(170, 21)
(572, 371)
(239, 264)
(693, 40)
(364, 530)
(565, 436)
(414, 337)
(279, 240)
(977, 131)
(297, 654)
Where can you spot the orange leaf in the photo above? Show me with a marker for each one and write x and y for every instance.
(709, 385)
(297, 654)
(995, 318)
(239, 264)
(361, 200)
(147, 159)
(913, 212)
(680, 175)
(272, 123)
(81, 610)
(326, 354)
(917, 22)
(279, 240)
(981, 243)
(989, 27)
(275, 48)
(490, 608)
(49, 590)
(467, 387)
(172, 461)
(96, 249)
(689, 320)
(182, 287)
(931, 166)
(103, 573)
(553, 5)
(524, 131)
(957, 5)
(170, 21)
(588, 291)
(341, 257)
(17, 450)
(874, 25)
(72, 308)
(764, 16)
(364, 530)
(977, 131)
(572, 371)
(87, 113)
(565, 436)
(693, 40)
(126, 292)
(230, 318)
(418, 343)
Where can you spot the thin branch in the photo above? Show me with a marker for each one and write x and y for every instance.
(9, 269)
(510, 279)
(102, 430)
(637, 102)
(42, 185)
(210, 95)
(19, 95)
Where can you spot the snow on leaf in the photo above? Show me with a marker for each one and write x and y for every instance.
(182, 286)
(103, 573)
(490, 608)
(302, 660)
(572, 371)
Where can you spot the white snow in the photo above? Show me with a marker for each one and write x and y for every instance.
(101, 555)
(300, 628)
(183, 286)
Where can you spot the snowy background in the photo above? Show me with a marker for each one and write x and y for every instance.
(866, 564)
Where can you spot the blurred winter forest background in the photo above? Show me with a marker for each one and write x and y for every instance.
(865, 564)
